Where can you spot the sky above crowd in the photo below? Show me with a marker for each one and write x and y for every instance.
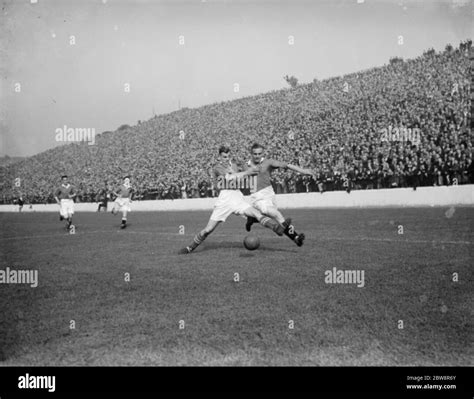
(103, 63)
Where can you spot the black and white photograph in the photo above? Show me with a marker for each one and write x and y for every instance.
(236, 185)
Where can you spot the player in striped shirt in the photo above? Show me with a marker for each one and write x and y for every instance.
(124, 198)
(64, 196)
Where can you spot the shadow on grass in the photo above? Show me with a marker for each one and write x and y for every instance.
(211, 246)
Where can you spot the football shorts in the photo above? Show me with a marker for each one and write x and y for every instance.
(263, 199)
(66, 208)
(229, 202)
(123, 204)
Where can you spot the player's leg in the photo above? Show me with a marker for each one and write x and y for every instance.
(115, 208)
(265, 221)
(290, 230)
(61, 211)
(223, 208)
(202, 235)
(124, 219)
(263, 200)
(69, 218)
(65, 213)
(250, 219)
(69, 221)
(274, 213)
(70, 212)
(268, 207)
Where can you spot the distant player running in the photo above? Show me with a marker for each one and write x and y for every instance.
(64, 196)
(103, 199)
(124, 199)
(230, 201)
(20, 203)
(264, 198)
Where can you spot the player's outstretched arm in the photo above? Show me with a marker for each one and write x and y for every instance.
(300, 170)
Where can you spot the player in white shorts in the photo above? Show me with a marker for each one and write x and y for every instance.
(64, 196)
(230, 201)
(264, 197)
(123, 200)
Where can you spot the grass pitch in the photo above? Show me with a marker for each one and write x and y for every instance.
(415, 307)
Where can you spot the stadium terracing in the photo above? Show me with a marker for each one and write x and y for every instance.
(336, 126)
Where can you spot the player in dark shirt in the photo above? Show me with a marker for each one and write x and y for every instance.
(20, 204)
(230, 201)
(102, 199)
(264, 197)
(64, 196)
(124, 196)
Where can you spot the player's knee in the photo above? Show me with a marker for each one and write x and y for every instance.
(271, 209)
(206, 231)
(254, 212)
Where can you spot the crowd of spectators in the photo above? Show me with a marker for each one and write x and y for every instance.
(338, 127)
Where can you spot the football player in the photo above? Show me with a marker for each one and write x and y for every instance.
(124, 199)
(230, 201)
(64, 196)
(264, 197)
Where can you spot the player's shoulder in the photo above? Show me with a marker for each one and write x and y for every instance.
(219, 169)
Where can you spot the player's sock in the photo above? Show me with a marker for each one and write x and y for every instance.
(250, 220)
(198, 239)
(124, 223)
(271, 224)
(299, 239)
(289, 229)
(292, 234)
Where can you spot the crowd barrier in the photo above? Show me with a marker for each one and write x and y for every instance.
(395, 197)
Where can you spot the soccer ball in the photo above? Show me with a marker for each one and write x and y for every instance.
(251, 242)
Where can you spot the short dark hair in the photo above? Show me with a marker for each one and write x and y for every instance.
(256, 145)
(126, 177)
(63, 176)
(224, 148)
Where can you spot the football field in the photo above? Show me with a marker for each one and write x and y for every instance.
(107, 296)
